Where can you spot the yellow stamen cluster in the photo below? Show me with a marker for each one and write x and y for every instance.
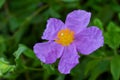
(65, 37)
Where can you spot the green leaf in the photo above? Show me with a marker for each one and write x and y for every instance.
(98, 23)
(5, 67)
(91, 65)
(25, 50)
(19, 51)
(112, 36)
(2, 2)
(29, 53)
(105, 14)
(61, 77)
(49, 68)
(14, 23)
(78, 72)
(2, 44)
(54, 13)
(119, 16)
(100, 68)
(115, 67)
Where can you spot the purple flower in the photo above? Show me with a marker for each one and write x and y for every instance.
(65, 40)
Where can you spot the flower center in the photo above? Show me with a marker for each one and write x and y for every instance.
(65, 37)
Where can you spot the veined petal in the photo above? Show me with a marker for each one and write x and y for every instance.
(53, 26)
(68, 60)
(48, 52)
(77, 20)
(89, 40)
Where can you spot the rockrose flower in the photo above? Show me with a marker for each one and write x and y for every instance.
(65, 40)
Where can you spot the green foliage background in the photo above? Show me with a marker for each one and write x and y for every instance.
(22, 23)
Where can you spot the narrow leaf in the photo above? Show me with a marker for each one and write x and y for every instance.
(19, 51)
(25, 50)
(115, 67)
(91, 65)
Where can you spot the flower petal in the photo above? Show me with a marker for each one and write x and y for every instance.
(89, 40)
(68, 60)
(48, 52)
(53, 26)
(77, 20)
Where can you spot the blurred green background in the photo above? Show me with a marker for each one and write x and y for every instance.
(22, 23)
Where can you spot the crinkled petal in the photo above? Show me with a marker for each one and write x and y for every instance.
(48, 52)
(77, 20)
(53, 26)
(68, 60)
(89, 40)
